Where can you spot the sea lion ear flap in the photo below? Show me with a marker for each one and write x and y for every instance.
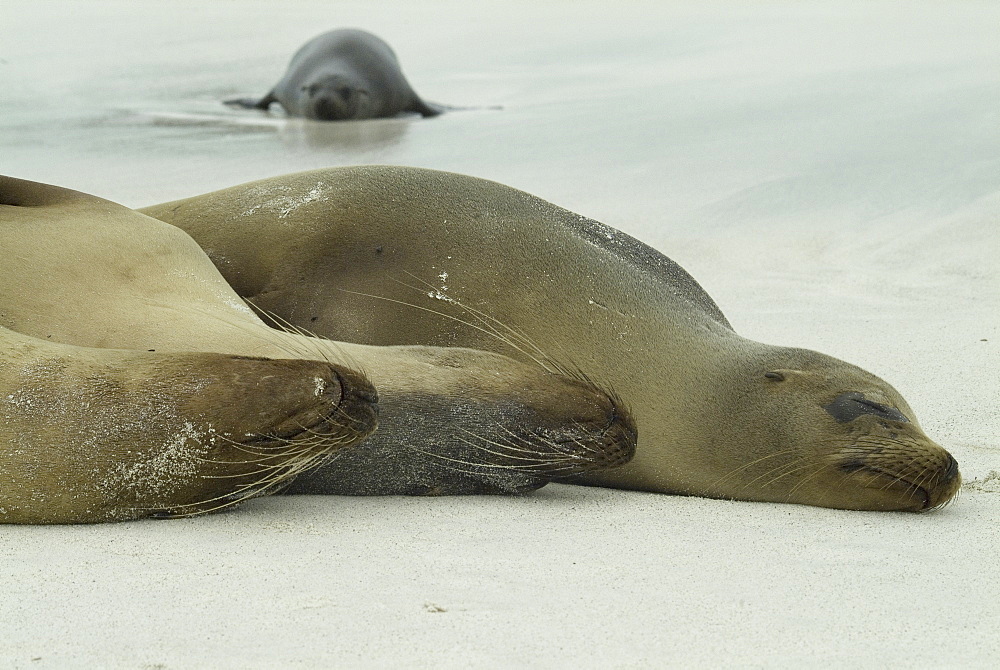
(784, 374)
(781, 375)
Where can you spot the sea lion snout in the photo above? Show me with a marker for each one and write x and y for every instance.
(359, 399)
(321, 400)
(334, 98)
(599, 445)
(328, 108)
(895, 460)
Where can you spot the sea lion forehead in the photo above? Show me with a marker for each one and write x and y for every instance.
(844, 390)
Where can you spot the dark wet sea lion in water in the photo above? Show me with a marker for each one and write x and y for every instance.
(340, 75)
(469, 262)
(83, 270)
(89, 435)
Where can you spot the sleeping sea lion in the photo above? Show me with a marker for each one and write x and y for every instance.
(393, 255)
(82, 270)
(90, 435)
(343, 74)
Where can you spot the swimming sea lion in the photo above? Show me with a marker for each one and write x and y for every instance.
(91, 435)
(343, 74)
(82, 270)
(468, 262)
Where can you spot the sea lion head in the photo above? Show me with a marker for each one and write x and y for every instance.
(816, 430)
(284, 418)
(335, 97)
(93, 435)
(531, 424)
(478, 422)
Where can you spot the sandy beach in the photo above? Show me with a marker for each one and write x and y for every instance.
(830, 173)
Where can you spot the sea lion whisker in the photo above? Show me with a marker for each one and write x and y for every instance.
(308, 340)
(805, 480)
(920, 482)
(876, 474)
(557, 470)
(453, 318)
(479, 467)
(582, 448)
(558, 447)
(265, 470)
(272, 454)
(280, 474)
(770, 472)
(236, 497)
(551, 363)
(945, 503)
(305, 345)
(487, 321)
(496, 327)
(236, 500)
(240, 325)
(251, 461)
(780, 471)
(790, 471)
(289, 452)
(745, 466)
(539, 456)
(530, 446)
(913, 488)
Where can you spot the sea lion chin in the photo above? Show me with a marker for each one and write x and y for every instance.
(719, 415)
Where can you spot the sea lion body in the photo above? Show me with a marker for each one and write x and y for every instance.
(89, 435)
(82, 270)
(454, 260)
(344, 74)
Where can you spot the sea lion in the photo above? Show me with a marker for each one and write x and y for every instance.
(90, 435)
(454, 260)
(82, 270)
(343, 74)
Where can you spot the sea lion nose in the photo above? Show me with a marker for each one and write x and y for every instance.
(952, 470)
(367, 394)
(327, 108)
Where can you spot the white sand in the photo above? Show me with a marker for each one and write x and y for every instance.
(830, 173)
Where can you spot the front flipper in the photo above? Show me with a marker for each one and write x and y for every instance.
(428, 108)
(252, 103)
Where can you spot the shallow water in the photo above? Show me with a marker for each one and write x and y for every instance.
(829, 172)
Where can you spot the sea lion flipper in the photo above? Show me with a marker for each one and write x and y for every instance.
(252, 103)
(429, 108)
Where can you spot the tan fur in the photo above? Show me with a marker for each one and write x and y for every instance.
(91, 435)
(315, 247)
(86, 271)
